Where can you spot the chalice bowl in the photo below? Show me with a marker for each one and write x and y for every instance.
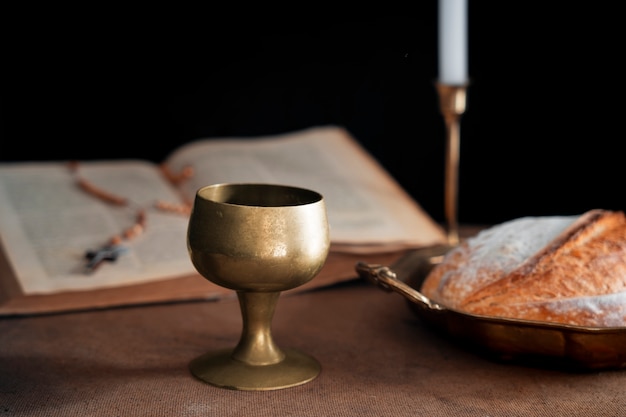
(258, 240)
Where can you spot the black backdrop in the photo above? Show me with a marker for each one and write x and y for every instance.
(542, 133)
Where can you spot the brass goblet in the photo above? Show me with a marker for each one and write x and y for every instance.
(259, 240)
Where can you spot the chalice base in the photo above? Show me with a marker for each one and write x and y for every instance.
(220, 369)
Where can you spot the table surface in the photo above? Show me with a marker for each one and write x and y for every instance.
(377, 358)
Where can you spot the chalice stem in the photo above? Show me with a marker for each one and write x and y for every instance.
(256, 346)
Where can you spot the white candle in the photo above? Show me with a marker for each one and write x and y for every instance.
(453, 42)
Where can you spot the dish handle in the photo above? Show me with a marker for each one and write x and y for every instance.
(385, 278)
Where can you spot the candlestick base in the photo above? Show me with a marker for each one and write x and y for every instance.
(452, 103)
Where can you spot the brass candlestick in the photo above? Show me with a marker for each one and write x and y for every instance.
(452, 101)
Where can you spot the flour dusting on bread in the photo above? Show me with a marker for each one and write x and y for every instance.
(565, 269)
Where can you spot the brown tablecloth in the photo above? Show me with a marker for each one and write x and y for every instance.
(377, 359)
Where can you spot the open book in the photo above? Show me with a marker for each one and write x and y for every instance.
(48, 223)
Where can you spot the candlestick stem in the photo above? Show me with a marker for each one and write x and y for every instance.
(452, 102)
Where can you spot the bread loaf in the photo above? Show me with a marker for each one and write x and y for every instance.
(560, 269)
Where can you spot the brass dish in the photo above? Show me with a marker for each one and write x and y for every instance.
(574, 348)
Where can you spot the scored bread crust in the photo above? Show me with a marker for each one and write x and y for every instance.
(562, 269)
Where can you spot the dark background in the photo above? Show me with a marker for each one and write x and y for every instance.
(542, 134)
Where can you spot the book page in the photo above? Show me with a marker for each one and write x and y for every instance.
(48, 224)
(368, 211)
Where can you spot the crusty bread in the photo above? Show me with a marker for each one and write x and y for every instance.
(561, 269)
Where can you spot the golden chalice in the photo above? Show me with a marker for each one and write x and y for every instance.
(259, 240)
